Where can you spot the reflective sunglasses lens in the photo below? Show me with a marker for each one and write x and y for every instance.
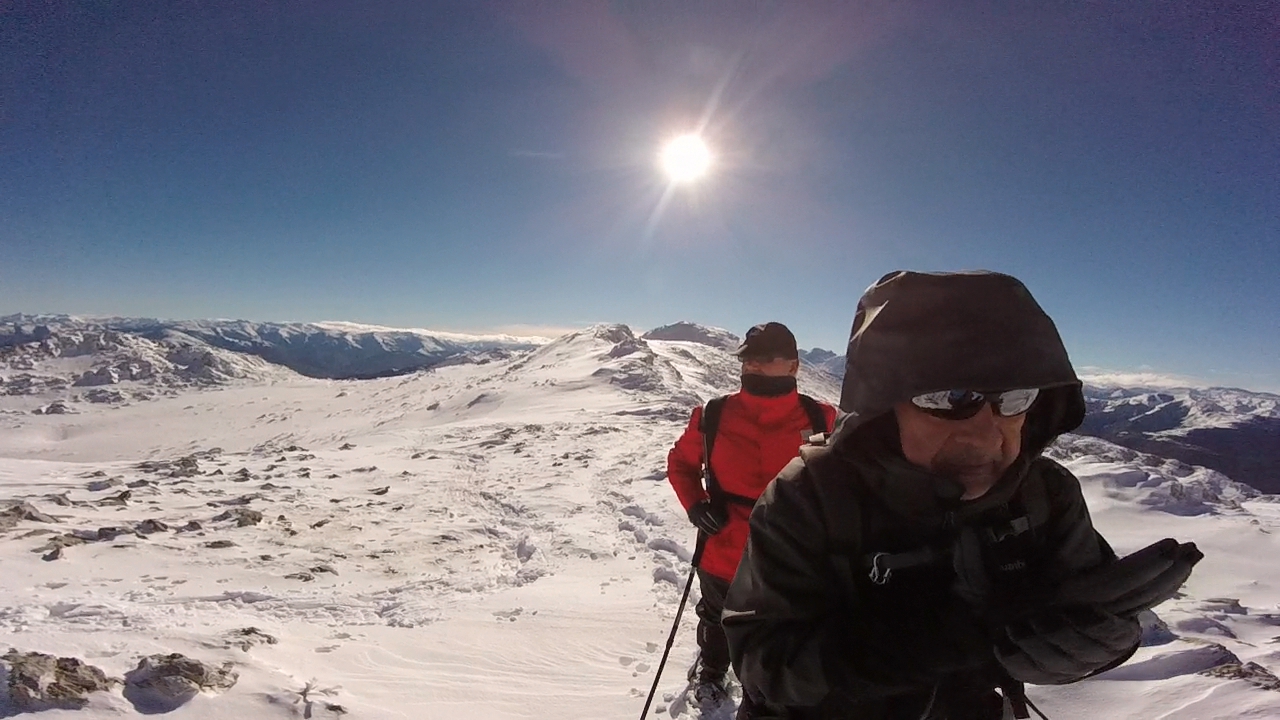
(950, 404)
(1016, 402)
(964, 404)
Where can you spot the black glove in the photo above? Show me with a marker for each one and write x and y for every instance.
(1064, 645)
(707, 517)
(1133, 583)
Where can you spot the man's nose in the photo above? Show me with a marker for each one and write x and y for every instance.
(979, 428)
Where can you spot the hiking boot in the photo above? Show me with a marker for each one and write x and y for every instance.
(710, 692)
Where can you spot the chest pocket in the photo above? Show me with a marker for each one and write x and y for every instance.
(987, 560)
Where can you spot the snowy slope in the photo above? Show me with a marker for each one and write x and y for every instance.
(492, 539)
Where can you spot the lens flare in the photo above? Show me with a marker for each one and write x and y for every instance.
(685, 159)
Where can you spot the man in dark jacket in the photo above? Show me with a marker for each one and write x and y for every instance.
(927, 555)
(759, 431)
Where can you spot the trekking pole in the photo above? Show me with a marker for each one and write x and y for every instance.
(693, 569)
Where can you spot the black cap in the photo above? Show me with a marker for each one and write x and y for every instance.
(771, 339)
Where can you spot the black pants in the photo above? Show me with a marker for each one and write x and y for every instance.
(713, 647)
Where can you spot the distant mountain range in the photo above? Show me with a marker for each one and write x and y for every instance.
(320, 350)
(1234, 432)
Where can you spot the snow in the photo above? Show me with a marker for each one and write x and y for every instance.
(495, 540)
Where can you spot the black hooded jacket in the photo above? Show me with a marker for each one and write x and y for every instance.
(810, 631)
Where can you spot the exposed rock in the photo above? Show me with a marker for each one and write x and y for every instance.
(347, 446)
(57, 407)
(1250, 672)
(1225, 606)
(244, 517)
(14, 514)
(162, 683)
(381, 491)
(219, 544)
(119, 499)
(185, 467)
(60, 541)
(105, 375)
(107, 534)
(43, 682)
(242, 500)
(62, 499)
(303, 576)
(152, 525)
(101, 395)
(246, 638)
(191, 526)
(100, 485)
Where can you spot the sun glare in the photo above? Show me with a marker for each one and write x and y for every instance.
(686, 159)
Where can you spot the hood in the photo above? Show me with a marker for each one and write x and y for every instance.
(922, 332)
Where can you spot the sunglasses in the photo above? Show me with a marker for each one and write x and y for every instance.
(964, 404)
(762, 359)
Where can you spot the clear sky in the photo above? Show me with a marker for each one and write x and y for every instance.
(491, 165)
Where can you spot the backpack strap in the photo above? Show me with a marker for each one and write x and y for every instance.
(817, 418)
(708, 425)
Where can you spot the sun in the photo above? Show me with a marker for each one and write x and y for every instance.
(685, 159)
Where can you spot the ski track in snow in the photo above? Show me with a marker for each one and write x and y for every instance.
(497, 540)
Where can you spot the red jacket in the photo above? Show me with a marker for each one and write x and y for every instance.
(757, 437)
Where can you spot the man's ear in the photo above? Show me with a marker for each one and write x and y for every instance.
(795, 367)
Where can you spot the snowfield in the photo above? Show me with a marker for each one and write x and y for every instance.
(491, 539)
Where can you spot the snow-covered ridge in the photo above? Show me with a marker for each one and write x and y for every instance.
(1164, 484)
(685, 331)
(486, 538)
(328, 350)
(98, 365)
(1234, 431)
(825, 360)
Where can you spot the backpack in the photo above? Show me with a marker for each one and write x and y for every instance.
(710, 424)
(1009, 541)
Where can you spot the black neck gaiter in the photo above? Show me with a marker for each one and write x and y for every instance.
(768, 385)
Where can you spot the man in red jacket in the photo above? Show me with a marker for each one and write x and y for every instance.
(760, 430)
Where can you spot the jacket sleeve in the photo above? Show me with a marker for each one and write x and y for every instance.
(791, 635)
(684, 463)
(1074, 544)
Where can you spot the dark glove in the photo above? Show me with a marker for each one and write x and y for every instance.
(1133, 583)
(708, 518)
(1064, 645)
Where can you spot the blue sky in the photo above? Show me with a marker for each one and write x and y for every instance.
(475, 166)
